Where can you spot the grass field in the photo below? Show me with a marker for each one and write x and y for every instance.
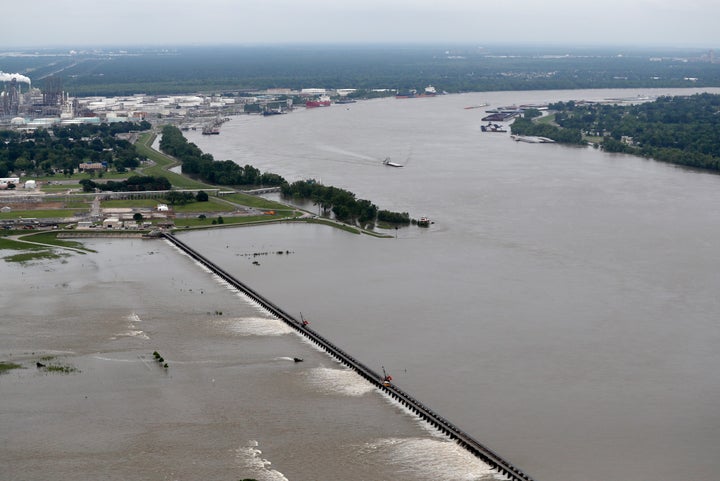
(212, 205)
(39, 214)
(83, 175)
(9, 244)
(254, 201)
(31, 252)
(228, 220)
(130, 203)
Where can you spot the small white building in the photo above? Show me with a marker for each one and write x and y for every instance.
(112, 223)
(163, 208)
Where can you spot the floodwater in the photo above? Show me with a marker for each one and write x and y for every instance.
(232, 403)
(561, 309)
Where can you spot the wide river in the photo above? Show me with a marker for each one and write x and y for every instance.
(562, 309)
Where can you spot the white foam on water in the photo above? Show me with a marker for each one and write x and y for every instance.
(425, 425)
(338, 381)
(132, 331)
(252, 464)
(257, 326)
(115, 359)
(429, 459)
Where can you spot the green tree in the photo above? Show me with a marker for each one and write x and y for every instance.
(201, 196)
(175, 197)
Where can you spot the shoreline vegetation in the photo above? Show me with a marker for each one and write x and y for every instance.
(681, 130)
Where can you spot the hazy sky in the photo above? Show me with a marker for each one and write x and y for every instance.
(665, 23)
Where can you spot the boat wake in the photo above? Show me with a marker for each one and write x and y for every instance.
(336, 150)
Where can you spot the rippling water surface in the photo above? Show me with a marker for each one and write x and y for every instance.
(561, 308)
(231, 403)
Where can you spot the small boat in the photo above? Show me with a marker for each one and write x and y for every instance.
(298, 359)
(389, 163)
(429, 91)
(423, 222)
(490, 127)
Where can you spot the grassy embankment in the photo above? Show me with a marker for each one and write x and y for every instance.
(5, 366)
(163, 163)
(225, 206)
(30, 252)
(36, 246)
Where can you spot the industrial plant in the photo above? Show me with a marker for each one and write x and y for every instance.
(19, 98)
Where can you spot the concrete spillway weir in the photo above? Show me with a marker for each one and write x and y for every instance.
(462, 438)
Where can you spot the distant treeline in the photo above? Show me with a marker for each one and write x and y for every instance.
(204, 167)
(679, 130)
(233, 69)
(64, 148)
(135, 183)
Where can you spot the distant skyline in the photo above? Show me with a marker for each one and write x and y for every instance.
(642, 23)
